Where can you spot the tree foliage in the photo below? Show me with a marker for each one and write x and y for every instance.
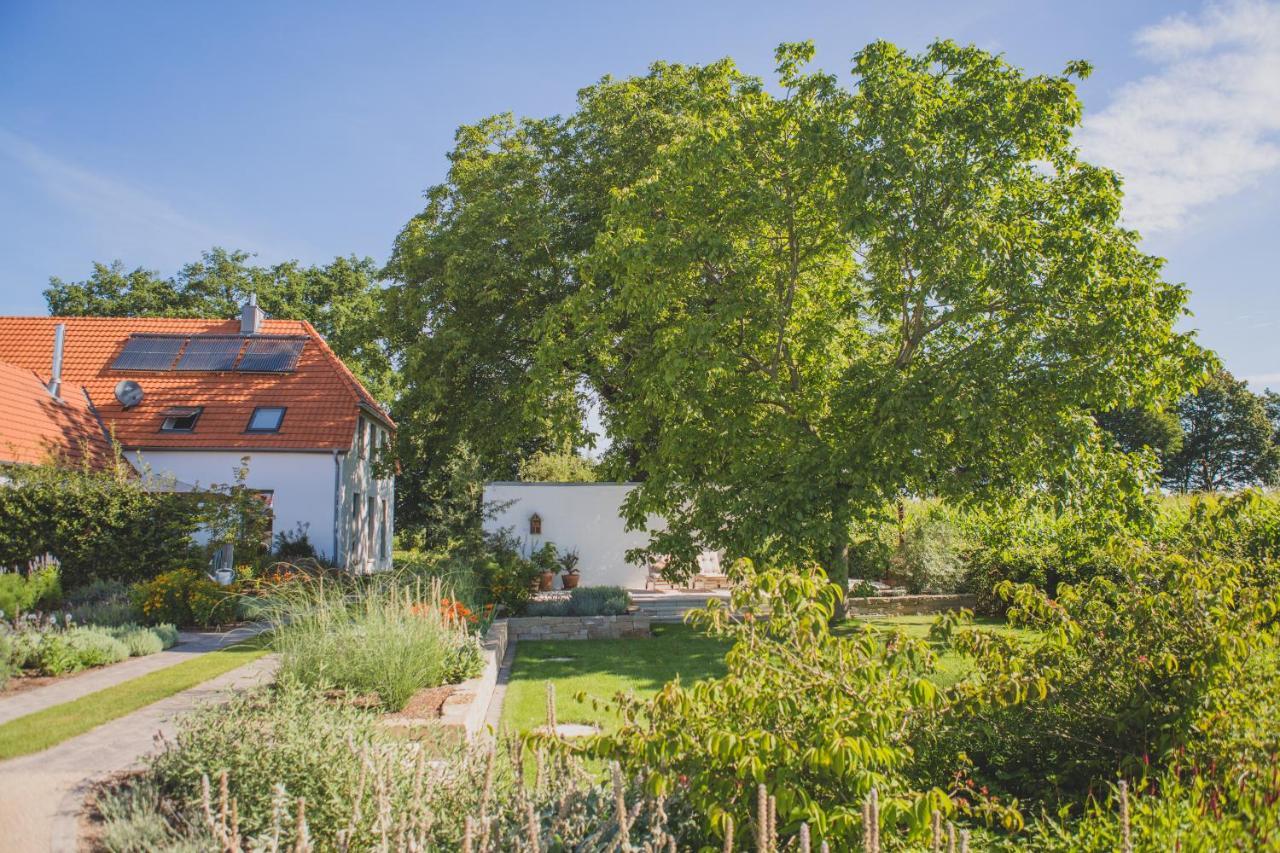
(341, 299)
(567, 467)
(1229, 439)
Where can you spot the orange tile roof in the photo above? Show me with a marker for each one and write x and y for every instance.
(322, 397)
(35, 427)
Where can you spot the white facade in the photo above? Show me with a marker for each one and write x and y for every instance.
(574, 515)
(346, 511)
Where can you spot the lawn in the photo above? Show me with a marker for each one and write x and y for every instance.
(52, 726)
(603, 668)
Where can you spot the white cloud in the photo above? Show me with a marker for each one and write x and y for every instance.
(1264, 380)
(133, 223)
(1206, 124)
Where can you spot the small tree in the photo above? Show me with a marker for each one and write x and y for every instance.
(564, 467)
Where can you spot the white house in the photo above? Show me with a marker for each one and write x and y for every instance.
(582, 516)
(188, 399)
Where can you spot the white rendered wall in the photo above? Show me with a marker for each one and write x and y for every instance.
(302, 483)
(574, 515)
(364, 549)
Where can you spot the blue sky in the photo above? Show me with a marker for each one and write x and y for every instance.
(150, 131)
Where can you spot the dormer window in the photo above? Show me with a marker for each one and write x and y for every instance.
(266, 419)
(180, 419)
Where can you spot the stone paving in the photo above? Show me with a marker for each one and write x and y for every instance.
(41, 794)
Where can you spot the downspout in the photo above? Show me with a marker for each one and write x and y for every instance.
(337, 507)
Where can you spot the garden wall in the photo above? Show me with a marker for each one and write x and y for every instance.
(578, 627)
(909, 605)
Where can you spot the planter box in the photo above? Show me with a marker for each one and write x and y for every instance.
(909, 605)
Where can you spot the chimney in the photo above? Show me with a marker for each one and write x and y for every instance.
(251, 316)
(55, 379)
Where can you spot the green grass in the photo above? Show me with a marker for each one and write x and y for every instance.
(603, 668)
(52, 726)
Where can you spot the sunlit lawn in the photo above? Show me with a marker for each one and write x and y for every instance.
(603, 668)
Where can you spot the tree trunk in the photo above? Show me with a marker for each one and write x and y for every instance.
(838, 573)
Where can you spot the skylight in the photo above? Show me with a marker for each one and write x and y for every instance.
(180, 419)
(266, 419)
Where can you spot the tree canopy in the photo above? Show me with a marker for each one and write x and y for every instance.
(341, 299)
(791, 303)
(1229, 438)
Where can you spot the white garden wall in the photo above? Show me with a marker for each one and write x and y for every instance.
(574, 515)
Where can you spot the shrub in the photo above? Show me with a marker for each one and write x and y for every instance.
(49, 650)
(95, 647)
(1176, 658)
(39, 590)
(167, 633)
(103, 602)
(293, 547)
(139, 641)
(183, 597)
(820, 718)
(930, 557)
(136, 819)
(98, 524)
(372, 636)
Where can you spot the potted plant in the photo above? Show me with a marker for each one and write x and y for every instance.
(569, 567)
(545, 560)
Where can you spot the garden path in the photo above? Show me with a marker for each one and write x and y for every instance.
(41, 795)
(91, 681)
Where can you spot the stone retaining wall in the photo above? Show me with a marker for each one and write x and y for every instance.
(909, 605)
(633, 624)
(464, 710)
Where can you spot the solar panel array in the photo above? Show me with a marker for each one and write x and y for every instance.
(270, 356)
(210, 353)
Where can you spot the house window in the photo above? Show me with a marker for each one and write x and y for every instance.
(266, 419)
(382, 533)
(356, 549)
(180, 419)
(371, 525)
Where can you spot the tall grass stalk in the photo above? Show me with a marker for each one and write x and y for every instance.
(386, 635)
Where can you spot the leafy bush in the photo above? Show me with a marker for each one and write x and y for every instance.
(931, 556)
(98, 524)
(183, 597)
(293, 547)
(168, 634)
(139, 641)
(1176, 658)
(820, 718)
(136, 819)
(504, 577)
(372, 636)
(103, 602)
(45, 648)
(38, 590)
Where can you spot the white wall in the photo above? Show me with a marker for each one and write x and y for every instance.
(575, 515)
(365, 546)
(302, 483)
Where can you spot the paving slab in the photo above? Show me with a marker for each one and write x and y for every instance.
(41, 794)
(190, 644)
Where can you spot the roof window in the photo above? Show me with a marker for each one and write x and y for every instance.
(180, 419)
(266, 419)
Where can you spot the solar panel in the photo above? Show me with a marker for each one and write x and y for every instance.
(148, 352)
(270, 355)
(210, 354)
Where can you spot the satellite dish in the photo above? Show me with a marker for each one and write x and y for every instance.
(129, 393)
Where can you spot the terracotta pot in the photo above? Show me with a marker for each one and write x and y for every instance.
(545, 581)
(569, 581)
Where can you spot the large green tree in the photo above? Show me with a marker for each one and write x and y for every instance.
(791, 304)
(342, 299)
(832, 296)
(1229, 439)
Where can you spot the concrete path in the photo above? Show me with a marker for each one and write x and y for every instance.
(191, 643)
(41, 794)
